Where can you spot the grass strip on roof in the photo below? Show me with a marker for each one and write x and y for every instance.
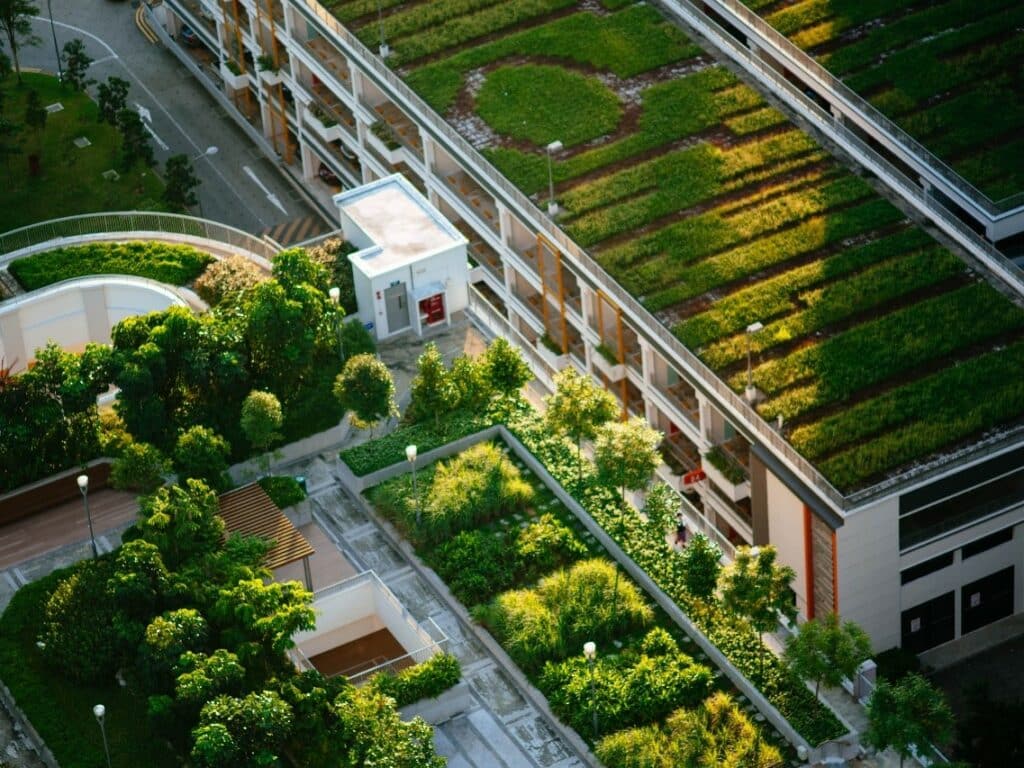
(626, 43)
(418, 17)
(874, 352)
(541, 104)
(774, 297)
(349, 11)
(842, 299)
(917, 419)
(840, 14)
(463, 29)
(752, 122)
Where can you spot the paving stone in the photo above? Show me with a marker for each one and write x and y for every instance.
(476, 750)
(498, 694)
(337, 506)
(460, 644)
(417, 598)
(493, 734)
(540, 741)
(376, 553)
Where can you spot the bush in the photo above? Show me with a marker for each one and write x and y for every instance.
(261, 419)
(283, 490)
(141, 468)
(114, 435)
(78, 623)
(201, 453)
(474, 564)
(227, 277)
(543, 545)
(423, 681)
(332, 254)
(171, 264)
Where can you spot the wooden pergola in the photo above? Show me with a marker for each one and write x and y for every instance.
(250, 511)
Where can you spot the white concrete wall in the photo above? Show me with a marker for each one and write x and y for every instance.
(867, 551)
(786, 533)
(76, 312)
(449, 267)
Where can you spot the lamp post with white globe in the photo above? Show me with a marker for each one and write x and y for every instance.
(100, 711)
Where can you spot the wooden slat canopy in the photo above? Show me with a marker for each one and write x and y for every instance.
(248, 510)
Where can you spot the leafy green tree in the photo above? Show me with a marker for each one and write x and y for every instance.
(756, 588)
(365, 388)
(234, 732)
(261, 419)
(180, 182)
(356, 340)
(827, 650)
(9, 146)
(224, 277)
(165, 639)
(578, 408)
(293, 268)
(702, 563)
(182, 522)
(76, 65)
(112, 97)
(202, 454)
(472, 386)
(201, 677)
(140, 467)
(907, 714)
(505, 368)
(135, 146)
(661, 508)
(432, 390)
(140, 580)
(16, 24)
(258, 619)
(626, 454)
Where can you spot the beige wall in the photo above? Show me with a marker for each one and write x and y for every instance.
(786, 533)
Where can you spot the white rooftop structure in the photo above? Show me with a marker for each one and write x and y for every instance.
(408, 255)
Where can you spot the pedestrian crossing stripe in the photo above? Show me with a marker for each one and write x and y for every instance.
(296, 230)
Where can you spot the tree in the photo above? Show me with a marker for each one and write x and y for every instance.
(112, 97)
(294, 268)
(202, 454)
(505, 368)
(702, 564)
(432, 390)
(242, 732)
(16, 24)
(911, 712)
(626, 454)
(365, 388)
(757, 589)
(226, 277)
(181, 182)
(182, 522)
(577, 408)
(35, 119)
(661, 508)
(140, 467)
(472, 386)
(827, 650)
(76, 65)
(257, 619)
(261, 419)
(135, 146)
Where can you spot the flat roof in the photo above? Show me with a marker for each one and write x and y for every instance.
(402, 225)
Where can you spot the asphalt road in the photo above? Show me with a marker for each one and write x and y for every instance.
(239, 186)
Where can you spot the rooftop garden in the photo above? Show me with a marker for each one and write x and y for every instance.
(947, 72)
(715, 212)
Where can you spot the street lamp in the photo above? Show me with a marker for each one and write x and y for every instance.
(100, 711)
(208, 152)
(83, 486)
(384, 50)
(751, 391)
(56, 48)
(335, 293)
(554, 146)
(410, 455)
(590, 653)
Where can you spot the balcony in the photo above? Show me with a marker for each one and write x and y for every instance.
(400, 128)
(606, 361)
(331, 59)
(682, 457)
(475, 199)
(551, 353)
(235, 80)
(684, 398)
(728, 475)
(481, 252)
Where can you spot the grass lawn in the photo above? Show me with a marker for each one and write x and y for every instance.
(61, 710)
(171, 264)
(71, 180)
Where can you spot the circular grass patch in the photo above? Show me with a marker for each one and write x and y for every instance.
(542, 104)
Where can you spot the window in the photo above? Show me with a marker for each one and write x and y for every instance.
(929, 624)
(928, 566)
(986, 600)
(986, 543)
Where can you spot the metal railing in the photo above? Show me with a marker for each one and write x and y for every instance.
(396, 665)
(796, 59)
(131, 222)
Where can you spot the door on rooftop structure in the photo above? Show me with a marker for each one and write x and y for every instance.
(396, 305)
(986, 600)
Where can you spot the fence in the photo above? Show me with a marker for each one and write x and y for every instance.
(141, 223)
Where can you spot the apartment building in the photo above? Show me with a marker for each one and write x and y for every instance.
(927, 555)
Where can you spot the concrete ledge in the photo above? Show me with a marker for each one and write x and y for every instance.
(287, 454)
(8, 702)
(452, 702)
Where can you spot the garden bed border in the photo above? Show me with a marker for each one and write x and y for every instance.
(21, 722)
(358, 484)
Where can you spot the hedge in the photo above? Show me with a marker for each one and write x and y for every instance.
(426, 680)
(171, 264)
(283, 490)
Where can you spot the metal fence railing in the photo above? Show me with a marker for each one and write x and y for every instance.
(803, 65)
(132, 222)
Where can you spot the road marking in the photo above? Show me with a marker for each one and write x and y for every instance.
(80, 31)
(144, 113)
(157, 139)
(101, 61)
(270, 195)
(143, 25)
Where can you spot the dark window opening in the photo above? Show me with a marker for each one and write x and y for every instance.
(929, 624)
(928, 566)
(986, 600)
(986, 543)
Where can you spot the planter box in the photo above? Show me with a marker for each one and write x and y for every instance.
(233, 81)
(326, 133)
(555, 360)
(732, 491)
(614, 371)
(393, 156)
(270, 77)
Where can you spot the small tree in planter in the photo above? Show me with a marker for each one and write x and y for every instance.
(366, 389)
(626, 454)
(827, 650)
(702, 564)
(261, 419)
(907, 714)
(432, 391)
(577, 408)
(202, 454)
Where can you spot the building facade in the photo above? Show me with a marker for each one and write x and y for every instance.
(921, 560)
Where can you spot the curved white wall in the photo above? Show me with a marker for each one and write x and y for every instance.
(75, 312)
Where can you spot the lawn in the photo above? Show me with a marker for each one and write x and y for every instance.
(71, 180)
(947, 72)
(714, 212)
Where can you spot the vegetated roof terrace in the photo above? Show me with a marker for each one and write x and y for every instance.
(948, 72)
(880, 348)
